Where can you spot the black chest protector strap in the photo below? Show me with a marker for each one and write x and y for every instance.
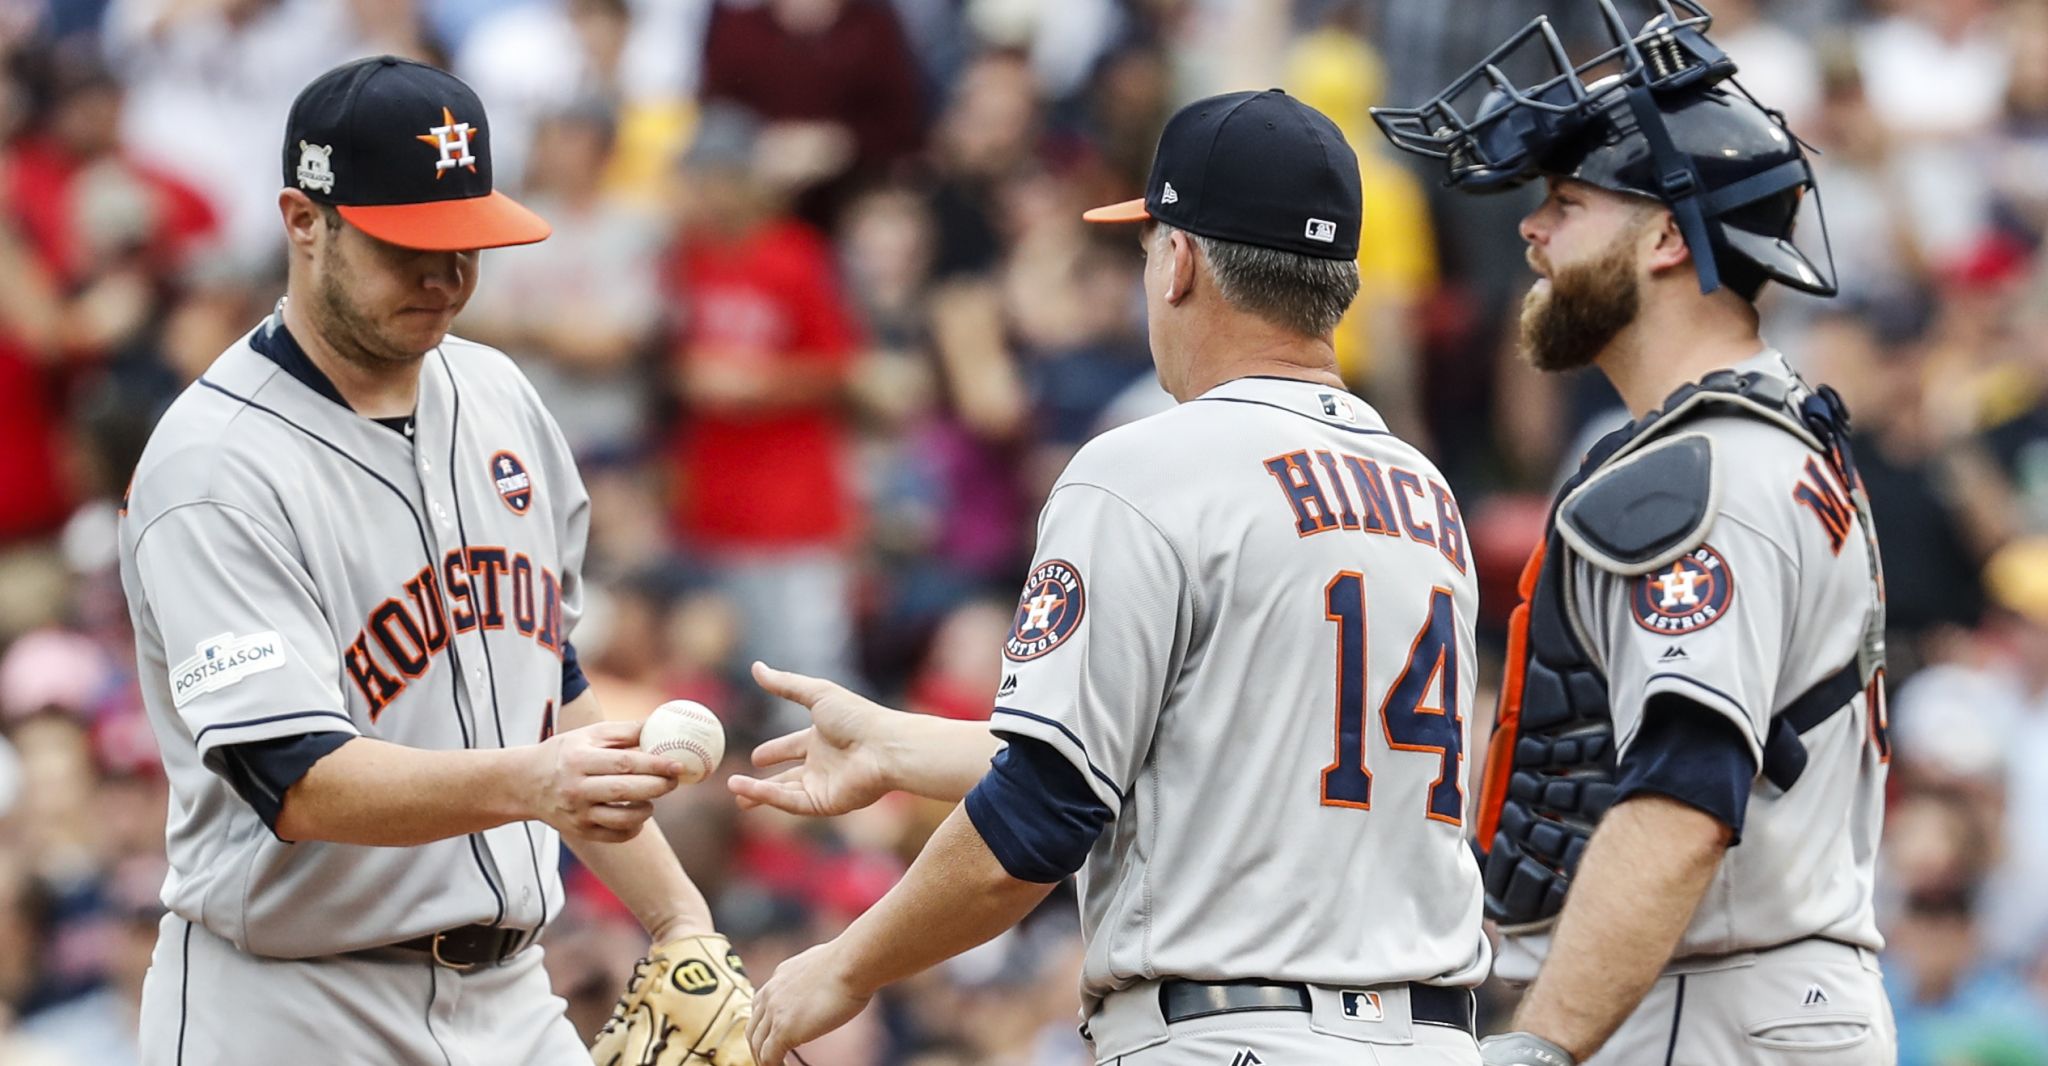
(1550, 772)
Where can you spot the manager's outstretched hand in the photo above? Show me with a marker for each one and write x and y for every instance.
(840, 758)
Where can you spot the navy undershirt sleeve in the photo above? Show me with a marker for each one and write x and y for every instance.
(574, 684)
(1036, 812)
(1693, 755)
(262, 771)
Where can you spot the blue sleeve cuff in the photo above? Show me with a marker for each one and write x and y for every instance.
(1036, 812)
(574, 684)
(262, 771)
(1692, 754)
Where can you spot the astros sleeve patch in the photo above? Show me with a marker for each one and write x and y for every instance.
(1685, 596)
(1048, 612)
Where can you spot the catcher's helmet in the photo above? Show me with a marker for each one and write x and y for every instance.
(1667, 121)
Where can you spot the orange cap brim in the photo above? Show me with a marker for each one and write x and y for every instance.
(492, 220)
(1128, 211)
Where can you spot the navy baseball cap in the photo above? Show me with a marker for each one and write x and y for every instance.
(1259, 168)
(403, 151)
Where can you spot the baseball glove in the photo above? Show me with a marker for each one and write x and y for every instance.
(688, 1000)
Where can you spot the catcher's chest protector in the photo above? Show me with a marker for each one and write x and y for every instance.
(1550, 765)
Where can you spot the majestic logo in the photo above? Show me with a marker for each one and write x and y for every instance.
(1008, 687)
(316, 167)
(1169, 196)
(1363, 1006)
(1048, 612)
(1247, 1057)
(1674, 654)
(452, 138)
(1815, 997)
(1690, 594)
(1321, 230)
(221, 661)
(515, 485)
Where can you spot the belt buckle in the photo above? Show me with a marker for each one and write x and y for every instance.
(434, 949)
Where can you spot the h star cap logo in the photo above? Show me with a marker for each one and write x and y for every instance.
(452, 138)
(1680, 587)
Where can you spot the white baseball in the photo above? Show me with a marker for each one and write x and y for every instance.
(686, 731)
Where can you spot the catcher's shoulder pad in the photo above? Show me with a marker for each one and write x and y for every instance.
(1646, 509)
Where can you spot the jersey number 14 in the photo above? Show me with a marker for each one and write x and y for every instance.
(1408, 723)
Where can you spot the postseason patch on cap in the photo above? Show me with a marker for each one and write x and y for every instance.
(1691, 594)
(1049, 611)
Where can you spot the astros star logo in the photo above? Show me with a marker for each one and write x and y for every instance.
(451, 138)
(1694, 592)
(1679, 587)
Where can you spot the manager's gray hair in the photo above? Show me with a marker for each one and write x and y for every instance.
(1303, 293)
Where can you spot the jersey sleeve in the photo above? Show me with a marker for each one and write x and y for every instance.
(249, 653)
(1101, 627)
(1709, 629)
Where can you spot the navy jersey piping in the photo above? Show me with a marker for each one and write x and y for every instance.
(1078, 746)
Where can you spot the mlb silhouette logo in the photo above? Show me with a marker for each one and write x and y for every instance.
(1363, 1006)
(1322, 230)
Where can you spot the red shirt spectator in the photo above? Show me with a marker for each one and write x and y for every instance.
(840, 64)
(766, 342)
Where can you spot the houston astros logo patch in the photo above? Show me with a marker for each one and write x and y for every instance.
(1689, 595)
(1048, 612)
(515, 485)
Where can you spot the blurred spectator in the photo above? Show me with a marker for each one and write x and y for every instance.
(760, 362)
(2018, 436)
(101, 1026)
(580, 310)
(1933, 498)
(1951, 1009)
(1936, 70)
(1876, 231)
(1775, 62)
(1983, 724)
(834, 81)
(2019, 147)
(538, 58)
(210, 81)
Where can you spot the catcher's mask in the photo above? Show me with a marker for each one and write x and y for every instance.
(1657, 114)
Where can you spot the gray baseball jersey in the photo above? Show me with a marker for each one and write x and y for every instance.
(1781, 594)
(1249, 625)
(292, 567)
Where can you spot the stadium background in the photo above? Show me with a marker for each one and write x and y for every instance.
(822, 323)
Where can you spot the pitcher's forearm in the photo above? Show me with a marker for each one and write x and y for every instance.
(376, 793)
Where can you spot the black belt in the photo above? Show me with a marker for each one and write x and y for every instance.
(467, 947)
(1428, 1004)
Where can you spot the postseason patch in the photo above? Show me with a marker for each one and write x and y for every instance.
(223, 660)
(1689, 595)
(1048, 612)
(515, 485)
